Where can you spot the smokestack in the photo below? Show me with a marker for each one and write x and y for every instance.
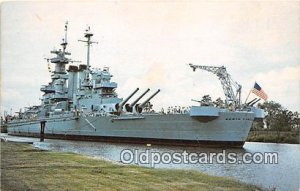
(72, 81)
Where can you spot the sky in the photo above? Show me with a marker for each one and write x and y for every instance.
(149, 44)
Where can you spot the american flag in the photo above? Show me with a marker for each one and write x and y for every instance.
(259, 92)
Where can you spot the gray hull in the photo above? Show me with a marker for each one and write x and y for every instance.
(228, 129)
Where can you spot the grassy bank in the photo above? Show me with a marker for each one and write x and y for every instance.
(291, 137)
(26, 168)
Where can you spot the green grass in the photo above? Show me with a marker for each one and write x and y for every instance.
(26, 168)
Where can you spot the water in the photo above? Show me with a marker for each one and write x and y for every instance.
(282, 176)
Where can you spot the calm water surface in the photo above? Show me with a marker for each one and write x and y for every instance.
(283, 176)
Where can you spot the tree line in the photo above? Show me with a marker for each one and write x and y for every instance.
(279, 118)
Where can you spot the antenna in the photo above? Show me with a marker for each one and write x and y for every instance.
(66, 31)
(65, 41)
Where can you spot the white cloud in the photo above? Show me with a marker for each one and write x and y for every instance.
(147, 44)
(282, 86)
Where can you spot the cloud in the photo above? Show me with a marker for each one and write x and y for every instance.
(147, 44)
(282, 86)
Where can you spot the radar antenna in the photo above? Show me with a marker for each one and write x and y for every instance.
(228, 84)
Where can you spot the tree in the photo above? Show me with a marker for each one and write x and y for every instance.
(279, 118)
(273, 109)
(295, 121)
(257, 125)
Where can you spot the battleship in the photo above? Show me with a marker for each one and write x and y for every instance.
(81, 103)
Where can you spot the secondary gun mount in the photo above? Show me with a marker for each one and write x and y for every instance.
(129, 107)
(139, 107)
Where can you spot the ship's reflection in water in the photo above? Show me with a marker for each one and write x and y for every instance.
(282, 176)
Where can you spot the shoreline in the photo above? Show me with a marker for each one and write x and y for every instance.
(25, 167)
(257, 136)
(264, 136)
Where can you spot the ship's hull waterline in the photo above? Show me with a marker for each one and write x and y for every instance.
(229, 129)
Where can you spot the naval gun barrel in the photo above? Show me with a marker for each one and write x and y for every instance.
(251, 101)
(120, 105)
(254, 102)
(130, 106)
(139, 107)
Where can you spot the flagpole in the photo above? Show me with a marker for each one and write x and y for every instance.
(248, 96)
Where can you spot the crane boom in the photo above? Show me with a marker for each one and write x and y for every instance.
(232, 98)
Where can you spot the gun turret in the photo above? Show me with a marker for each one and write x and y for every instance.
(120, 105)
(139, 107)
(129, 107)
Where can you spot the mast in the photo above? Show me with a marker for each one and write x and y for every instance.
(65, 41)
(56, 90)
(88, 41)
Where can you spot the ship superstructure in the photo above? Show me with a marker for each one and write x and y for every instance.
(56, 94)
(82, 103)
(79, 88)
